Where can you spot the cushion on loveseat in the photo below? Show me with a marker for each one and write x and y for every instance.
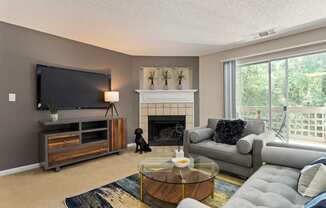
(244, 145)
(271, 186)
(220, 151)
(199, 135)
(229, 131)
(254, 126)
(212, 123)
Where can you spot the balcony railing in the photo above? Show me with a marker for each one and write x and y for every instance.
(303, 123)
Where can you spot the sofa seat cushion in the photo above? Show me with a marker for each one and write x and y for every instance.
(270, 187)
(220, 151)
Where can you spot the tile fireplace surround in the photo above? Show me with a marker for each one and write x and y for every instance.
(165, 102)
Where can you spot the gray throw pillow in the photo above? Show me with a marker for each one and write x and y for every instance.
(312, 180)
(200, 135)
(244, 145)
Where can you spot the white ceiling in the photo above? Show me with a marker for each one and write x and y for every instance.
(164, 27)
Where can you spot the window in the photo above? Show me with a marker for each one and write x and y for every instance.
(289, 94)
(252, 91)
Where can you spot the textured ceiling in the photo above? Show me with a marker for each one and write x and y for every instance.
(164, 27)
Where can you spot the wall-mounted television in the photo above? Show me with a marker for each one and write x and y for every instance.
(70, 89)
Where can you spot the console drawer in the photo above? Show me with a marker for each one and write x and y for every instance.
(80, 152)
(63, 141)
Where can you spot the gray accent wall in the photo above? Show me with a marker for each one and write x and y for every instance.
(21, 49)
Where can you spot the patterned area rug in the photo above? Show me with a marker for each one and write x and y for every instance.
(124, 193)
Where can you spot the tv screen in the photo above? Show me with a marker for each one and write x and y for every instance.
(70, 89)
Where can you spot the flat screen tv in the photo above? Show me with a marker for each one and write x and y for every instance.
(70, 89)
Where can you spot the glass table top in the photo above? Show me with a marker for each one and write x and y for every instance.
(162, 169)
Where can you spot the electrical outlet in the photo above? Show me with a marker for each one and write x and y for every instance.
(12, 97)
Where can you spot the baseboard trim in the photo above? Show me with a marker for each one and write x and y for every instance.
(19, 169)
(32, 166)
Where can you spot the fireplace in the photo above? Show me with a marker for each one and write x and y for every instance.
(163, 103)
(166, 130)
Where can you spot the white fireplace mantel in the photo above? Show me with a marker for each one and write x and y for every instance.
(166, 96)
(165, 103)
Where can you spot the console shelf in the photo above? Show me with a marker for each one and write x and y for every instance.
(94, 130)
(69, 141)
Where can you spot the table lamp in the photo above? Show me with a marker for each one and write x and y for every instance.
(111, 97)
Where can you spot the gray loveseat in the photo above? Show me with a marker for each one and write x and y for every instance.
(242, 159)
(274, 185)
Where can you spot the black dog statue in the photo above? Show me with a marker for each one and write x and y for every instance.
(141, 145)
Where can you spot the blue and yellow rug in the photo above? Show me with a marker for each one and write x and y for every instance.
(124, 193)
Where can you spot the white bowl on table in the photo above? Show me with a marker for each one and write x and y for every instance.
(181, 162)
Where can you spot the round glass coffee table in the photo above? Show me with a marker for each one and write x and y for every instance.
(162, 180)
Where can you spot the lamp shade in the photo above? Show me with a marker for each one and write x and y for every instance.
(111, 96)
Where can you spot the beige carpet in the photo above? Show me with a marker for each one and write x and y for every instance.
(48, 189)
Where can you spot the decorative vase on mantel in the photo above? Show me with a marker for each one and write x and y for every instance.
(166, 77)
(180, 86)
(151, 86)
(151, 78)
(180, 78)
(166, 85)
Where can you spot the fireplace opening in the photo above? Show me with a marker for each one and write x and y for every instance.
(166, 130)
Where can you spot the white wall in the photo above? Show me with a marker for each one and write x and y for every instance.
(211, 88)
(211, 67)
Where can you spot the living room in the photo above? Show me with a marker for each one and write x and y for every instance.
(163, 104)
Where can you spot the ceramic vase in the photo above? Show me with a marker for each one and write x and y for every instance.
(152, 87)
(179, 153)
(166, 86)
(180, 86)
(258, 115)
(54, 116)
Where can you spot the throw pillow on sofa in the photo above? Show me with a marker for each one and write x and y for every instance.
(201, 134)
(244, 145)
(229, 131)
(317, 202)
(312, 180)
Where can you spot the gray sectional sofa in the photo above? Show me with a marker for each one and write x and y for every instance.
(274, 185)
(242, 159)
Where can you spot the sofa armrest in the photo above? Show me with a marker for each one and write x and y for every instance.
(290, 155)
(191, 203)
(186, 138)
(259, 142)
